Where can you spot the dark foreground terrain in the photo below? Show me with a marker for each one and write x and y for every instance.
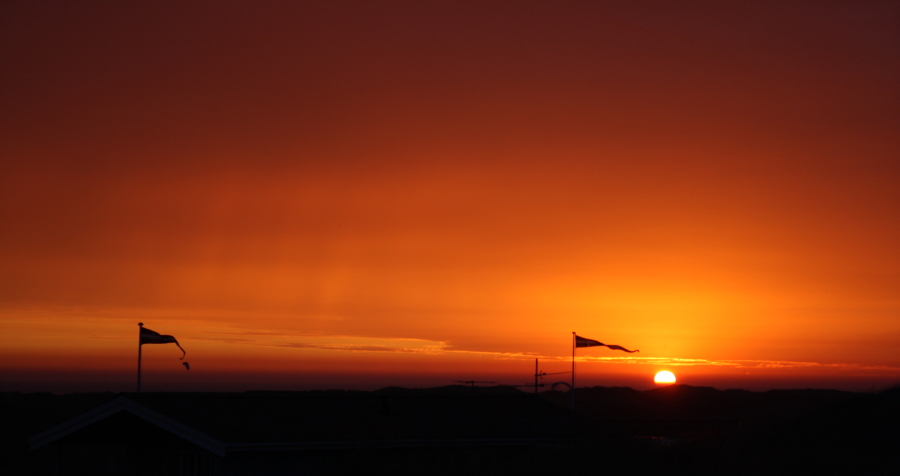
(453, 430)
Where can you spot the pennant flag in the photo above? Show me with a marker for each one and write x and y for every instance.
(150, 337)
(583, 342)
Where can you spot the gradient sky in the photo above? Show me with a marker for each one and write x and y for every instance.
(364, 194)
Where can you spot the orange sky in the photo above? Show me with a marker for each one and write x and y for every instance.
(413, 193)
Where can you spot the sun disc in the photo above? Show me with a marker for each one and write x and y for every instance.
(664, 377)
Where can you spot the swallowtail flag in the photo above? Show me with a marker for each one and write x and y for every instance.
(151, 337)
(583, 342)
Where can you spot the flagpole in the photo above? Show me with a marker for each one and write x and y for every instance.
(573, 371)
(140, 325)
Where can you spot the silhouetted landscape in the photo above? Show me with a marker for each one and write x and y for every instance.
(286, 195)
(452, 430)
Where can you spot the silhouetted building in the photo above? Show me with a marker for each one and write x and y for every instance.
(276, 433)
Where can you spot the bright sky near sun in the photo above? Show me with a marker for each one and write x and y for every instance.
(312, 195)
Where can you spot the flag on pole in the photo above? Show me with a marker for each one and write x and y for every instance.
(151, 337)
(583, 342)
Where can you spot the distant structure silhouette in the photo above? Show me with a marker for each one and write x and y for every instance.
(472, 382)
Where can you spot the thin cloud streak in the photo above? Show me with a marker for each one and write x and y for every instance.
(372, 344)
(425, 346)
(363, 348)
(740, 364)
(440, 347)
(432, 347)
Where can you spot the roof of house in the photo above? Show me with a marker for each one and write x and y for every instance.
(222, 422)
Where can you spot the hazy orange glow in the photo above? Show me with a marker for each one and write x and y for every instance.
(309, 195)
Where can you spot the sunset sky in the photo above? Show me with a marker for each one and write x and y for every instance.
(364, 194)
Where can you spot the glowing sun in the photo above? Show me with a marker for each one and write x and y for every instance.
(664, 377)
